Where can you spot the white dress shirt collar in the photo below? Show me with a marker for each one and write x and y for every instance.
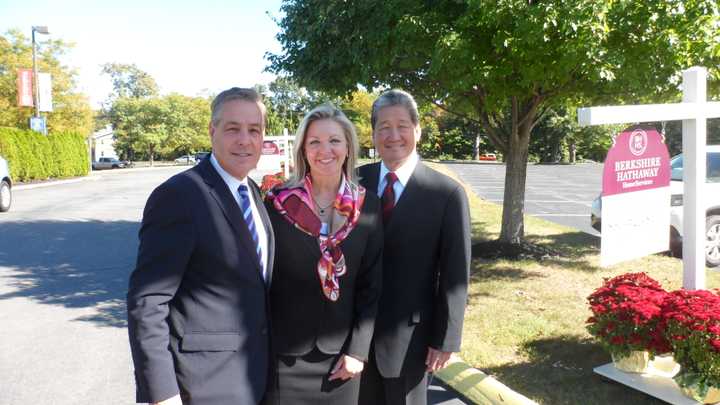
(232, 182)
(403, 172)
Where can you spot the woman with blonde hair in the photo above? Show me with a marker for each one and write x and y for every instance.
(327, 273)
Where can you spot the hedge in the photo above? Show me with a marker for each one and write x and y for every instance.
(34, 156)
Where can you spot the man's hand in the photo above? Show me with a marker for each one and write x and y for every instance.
(346, 368)
(170, 401)
(436, 359)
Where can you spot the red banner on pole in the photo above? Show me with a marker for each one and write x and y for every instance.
(24, 88)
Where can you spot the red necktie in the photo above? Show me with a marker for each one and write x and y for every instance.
(388, 196)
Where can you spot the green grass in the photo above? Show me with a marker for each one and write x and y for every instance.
(525, 321)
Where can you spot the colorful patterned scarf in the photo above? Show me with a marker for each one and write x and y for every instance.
(296, 206)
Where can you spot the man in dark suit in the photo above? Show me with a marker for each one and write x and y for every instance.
(197, 300)
(426, 260)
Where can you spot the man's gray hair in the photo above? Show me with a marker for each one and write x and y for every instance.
(395, 97)
(237, 93)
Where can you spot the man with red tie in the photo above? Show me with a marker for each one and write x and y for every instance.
(426, 260)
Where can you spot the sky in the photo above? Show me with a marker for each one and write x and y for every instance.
(189, 47)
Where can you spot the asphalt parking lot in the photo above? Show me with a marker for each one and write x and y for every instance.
(558, 193)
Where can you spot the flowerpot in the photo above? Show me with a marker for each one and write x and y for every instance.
(692, 385)
(711, 397)
(636, 362)
(664, 365)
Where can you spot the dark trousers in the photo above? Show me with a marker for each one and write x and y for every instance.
(403, 390)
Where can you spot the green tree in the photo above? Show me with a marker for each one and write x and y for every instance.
(500, 63)
(357, 107)
(290, 101)
(130, 81)
(430, 145)
(275, 121)
(71, 109)
(160, 126)
(186, 121)
(458, 136)
(558, 137)
(140, 126)
(147, 125)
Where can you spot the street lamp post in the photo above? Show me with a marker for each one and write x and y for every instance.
(40, 30)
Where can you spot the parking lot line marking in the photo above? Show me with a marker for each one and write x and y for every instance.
(548, 201)
(559, 201)
(558, 215)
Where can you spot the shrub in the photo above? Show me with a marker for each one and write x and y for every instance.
(34, 156)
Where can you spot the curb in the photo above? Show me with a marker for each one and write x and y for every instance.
(53, 183)
(93, 175)
(478, 387)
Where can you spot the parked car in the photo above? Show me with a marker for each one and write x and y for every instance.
(5, 186)
(488, 157)
(109, 163)
(187, 159)
(200, 156)
(712, 207)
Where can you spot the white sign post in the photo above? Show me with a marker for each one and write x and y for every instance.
(277, 152)
(694, 112)
(288, 153)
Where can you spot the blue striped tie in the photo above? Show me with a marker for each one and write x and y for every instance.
(247, 213)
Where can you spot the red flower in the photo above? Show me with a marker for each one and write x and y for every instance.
(271, 180)
(691, 322)
(627, 314)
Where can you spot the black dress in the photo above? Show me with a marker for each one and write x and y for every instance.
(310, 332)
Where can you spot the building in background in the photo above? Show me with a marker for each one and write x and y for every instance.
(103, 143)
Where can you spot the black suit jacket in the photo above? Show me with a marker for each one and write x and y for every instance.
(302, 317)
(426, 263)
(197, 303)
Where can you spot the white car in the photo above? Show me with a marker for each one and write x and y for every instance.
(712, 203)
(5, 186)
(187, 159)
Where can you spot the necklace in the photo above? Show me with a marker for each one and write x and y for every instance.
(321, 209)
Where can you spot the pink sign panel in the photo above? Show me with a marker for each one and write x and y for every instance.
(638, 160)
(270, 148)
(24, 88)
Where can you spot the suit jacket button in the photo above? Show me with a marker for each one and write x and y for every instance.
(264, 331)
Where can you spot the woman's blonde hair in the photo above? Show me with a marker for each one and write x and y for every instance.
(324, 112)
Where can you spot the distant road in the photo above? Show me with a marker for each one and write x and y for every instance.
(559, 193)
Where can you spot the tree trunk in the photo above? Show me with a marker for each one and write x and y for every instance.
(513, 227)
(514, 146)
(476, 154)
(151, 150)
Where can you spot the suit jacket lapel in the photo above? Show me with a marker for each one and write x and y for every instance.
(230, 208)
(371, 178)
(411, 194)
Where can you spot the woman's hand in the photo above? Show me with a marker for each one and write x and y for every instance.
(346, 368)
